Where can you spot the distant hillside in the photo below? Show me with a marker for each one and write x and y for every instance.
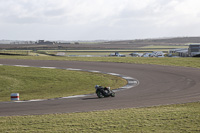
(124, 44)
(159, 41)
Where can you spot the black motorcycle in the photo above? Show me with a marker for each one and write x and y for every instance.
(104, 91)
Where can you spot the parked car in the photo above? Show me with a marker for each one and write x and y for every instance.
(117, 54)
(136, 54)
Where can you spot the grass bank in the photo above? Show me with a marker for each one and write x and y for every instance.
(15, 52)
(169, 47)
(167, 61)
(41, 83)
(168, 119)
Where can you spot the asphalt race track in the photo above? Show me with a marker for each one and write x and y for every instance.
(159, 85)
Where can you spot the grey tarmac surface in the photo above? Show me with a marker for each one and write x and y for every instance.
(159, 85)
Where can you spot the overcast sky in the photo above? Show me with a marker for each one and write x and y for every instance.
(98, 19)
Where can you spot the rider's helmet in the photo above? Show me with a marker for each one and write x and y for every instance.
(96, 86)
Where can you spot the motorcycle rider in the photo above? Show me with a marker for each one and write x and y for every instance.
(103, 89)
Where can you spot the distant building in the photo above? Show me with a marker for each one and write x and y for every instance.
(117, 54)
(76, 42)
(194, 50)
(42, 42)
(183, 52)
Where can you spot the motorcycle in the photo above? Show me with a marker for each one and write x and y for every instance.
(104, 91)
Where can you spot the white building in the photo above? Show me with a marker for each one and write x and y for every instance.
(183, 52)
(194, 50)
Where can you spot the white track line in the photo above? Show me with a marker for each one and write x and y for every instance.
(94, 71)
(132, 82)
(49, 67)
(73, 69)
(127, 87)
(76, 96)
(115, 74)
(21, 66)
(127, 78)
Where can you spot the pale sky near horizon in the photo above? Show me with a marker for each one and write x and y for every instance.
(98, 19)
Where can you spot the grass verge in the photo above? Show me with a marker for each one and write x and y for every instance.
(168, 119)
(169, 47)
(15, 52)
(41, 83)
(167, 61)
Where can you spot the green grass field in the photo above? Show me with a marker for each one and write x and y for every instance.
(41, 83)
(16, 52)
(166, 47)
(167, 61)
(160, 119)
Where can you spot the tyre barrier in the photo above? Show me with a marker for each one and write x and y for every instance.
(14, 96)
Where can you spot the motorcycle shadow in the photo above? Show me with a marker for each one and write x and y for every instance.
(90, 98)
(93, 98)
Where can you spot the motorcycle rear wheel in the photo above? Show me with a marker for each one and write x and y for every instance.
(99, 94)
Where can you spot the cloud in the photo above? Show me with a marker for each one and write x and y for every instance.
(109, 19)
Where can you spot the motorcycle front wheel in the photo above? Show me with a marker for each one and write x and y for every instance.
(112, 94)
